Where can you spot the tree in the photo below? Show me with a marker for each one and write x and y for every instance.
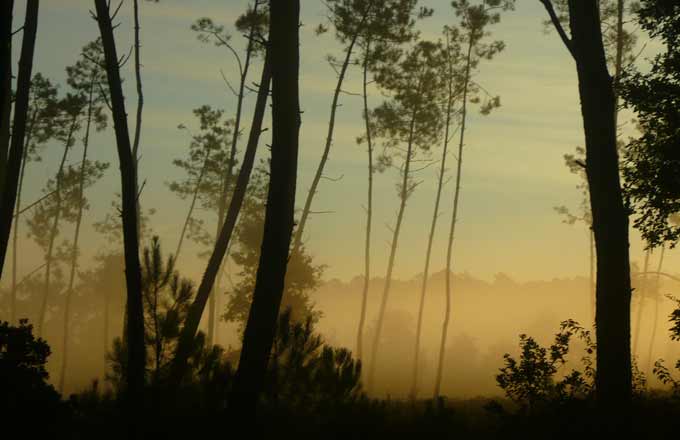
(45, 223)
(85, 76)
(5, 83)
(39, 129)
(133, 277)
(302, 275)
(610, 217)
(451, 72)
(206, 160)
(474, 21)
(576, 164)
(284, 40)
(390, 24)
(215, 262)
(352, 20)
(413, 117)
(651, 163)
(253, 24)
(13, 168)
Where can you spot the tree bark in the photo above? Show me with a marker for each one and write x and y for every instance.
(278, 224)
(16, 152)
(613, 381)
(6, 10)
(369, 208)
(135, 313)
(195, 312)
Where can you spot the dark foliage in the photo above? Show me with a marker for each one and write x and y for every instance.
(25, 393)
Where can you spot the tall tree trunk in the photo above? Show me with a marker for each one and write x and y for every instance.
(613, 382)
(16, 152)
(138, 114)
(369, 207)
(655, 325)
(54, 229)
(278, 224)
(641, 303)
(76, 237)
(433, 226)
(226, 181)
(133, 275)
(454, 221)
(306, 210)
(17, 218)
(403, 197)
(6, 10)
(186, 338)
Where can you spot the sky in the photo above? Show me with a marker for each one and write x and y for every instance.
(513, 174)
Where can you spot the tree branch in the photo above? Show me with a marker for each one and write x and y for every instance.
(558, 27)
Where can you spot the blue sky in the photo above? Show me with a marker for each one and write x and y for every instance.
(513, 175)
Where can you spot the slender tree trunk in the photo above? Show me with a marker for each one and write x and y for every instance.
(133, 275)
(393, 250)
(16, 153)
(138, 115)
(610, 218)
(278, 224)
(306, 210)
(657, 300)
(369, 207)
(17, 218)
(6, 10)
(641, 303)
(433, 227)
(54, 229)
(76, 237)
(226, 182)
(454, 221)
(199, 180)
(195, 312)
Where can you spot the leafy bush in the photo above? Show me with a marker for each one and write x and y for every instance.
(534, 378)
(24, 391)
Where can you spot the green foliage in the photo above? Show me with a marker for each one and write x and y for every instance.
(533, 379)
(651, 164)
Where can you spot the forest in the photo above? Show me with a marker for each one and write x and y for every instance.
(348, 219)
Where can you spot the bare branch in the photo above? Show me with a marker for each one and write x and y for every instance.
(558, 27)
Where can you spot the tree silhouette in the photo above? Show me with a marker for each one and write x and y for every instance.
(39, 129)
(278, 225)
(135, 312)
(390, 24)
(610, 219)
(14, 160)
(412, 117)
(86, 76)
